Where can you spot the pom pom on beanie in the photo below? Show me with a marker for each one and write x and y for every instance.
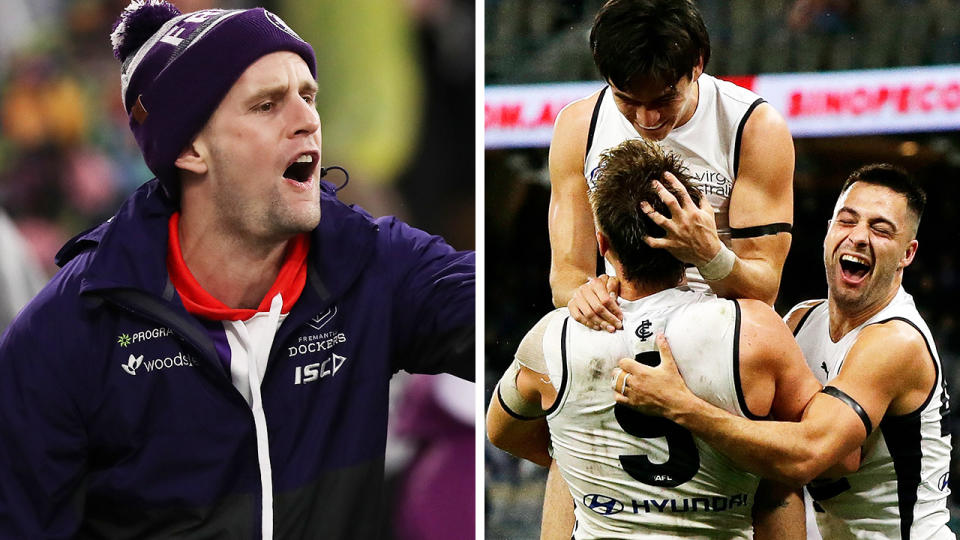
(140, 20)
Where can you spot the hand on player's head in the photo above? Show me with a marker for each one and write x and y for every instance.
(594, 304)
(691, 229)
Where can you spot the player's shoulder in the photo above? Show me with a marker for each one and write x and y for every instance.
(530, 351)
(573, 120)
(701, 321)
(798, 313)
(765, 124)
(763, 335)
(555, 314)
(897, 339)
(759, 314)
(568, 147)
(893, 355)
(580, 109)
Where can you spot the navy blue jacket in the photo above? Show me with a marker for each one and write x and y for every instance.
(117, 420)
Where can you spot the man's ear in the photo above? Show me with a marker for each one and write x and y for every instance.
(603, 243)
(191, 159)
(909, 254)
(697, 71)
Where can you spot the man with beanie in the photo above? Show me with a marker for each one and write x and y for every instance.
(214, 360)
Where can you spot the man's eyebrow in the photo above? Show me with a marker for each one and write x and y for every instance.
(278, 90)
(670, 92)
(268, 92)
(881, 219)
(309, 85)
(872, 220)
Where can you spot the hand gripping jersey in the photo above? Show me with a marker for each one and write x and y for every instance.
(633, 475)
(900, 490)
(709, 144)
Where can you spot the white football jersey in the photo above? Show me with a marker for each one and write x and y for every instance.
(709, 144)
(637, 476)
(901, 488)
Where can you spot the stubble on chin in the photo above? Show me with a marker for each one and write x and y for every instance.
(297, 218)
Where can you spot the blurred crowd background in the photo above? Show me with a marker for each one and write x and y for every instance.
(534, 42)
(396, 101)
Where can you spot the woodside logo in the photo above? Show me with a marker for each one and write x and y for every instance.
(158, 364)
(132, 364)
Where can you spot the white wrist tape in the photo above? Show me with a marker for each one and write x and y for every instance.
(719, 266)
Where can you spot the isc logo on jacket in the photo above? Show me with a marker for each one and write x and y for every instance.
(319, 370)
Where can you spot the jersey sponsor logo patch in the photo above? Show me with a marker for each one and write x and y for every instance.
(134, 363)
(319, 370)
(944, 481)
(713, 503)
(592, 179)
(126, 339)
(711, 182)
(602, 504)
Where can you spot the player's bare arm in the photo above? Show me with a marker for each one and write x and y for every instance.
(888, 370)
(851, 462)
(573, 246)
(769, 356)
(524, 437)
(778, 512)
(762, 198)
(516, 418)
(558, 517)
(778, 508)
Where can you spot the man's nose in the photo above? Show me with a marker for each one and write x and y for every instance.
(648, 116)
(860, 234)
(306, 120)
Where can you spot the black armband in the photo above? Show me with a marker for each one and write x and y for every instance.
(852, 403)
(821, 490)
(760, 230)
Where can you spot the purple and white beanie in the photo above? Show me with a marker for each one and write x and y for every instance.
(177, 67)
